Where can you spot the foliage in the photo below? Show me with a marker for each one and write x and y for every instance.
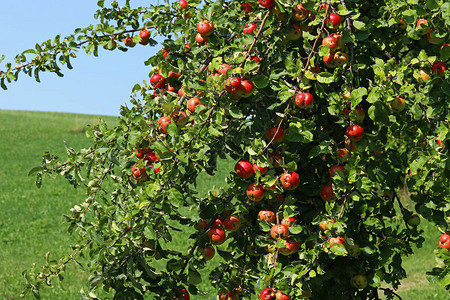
(380, 69)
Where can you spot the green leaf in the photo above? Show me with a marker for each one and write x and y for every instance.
(235, 112)
(260, 81)
(175, 197)
(194, 276)
(325, 77)
(356, 95)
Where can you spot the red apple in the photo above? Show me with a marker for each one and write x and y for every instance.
(291, 246)
(333, 20)
(267, 3)
(244, 169)
(282, 296)
(331, 42)
(163, 123)
(208, 252)
(262, 170)
(300, 13)
(246, 89)
(290, 180)
(185, 294)
(355, 133)
(139, 173)
(304, 100)
(183, 4)
(193, 103)
(217, 235)
(246, 7)
(288, 221)
(336, 168)
(266, 216)
(205, 28)
(201, 224)
(267, 294)
(338, 240)
(232, 223)
(279, 231)
(232, 84)
(157, 81)
(327, 193)
(129, 42)
(323, 225)
(422, 26)
(439, 67)
(328, 60)
(342, 155)
(255, 192)
(201, 40)
(145, 36)
(276, 134)
(431, 37)
(249, 27)
(224, 68)
(444, 241)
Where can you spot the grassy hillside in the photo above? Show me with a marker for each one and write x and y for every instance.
(31, 221)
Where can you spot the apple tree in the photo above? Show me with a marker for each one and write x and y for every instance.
(331, 111)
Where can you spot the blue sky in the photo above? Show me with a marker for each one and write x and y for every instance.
(96, 85)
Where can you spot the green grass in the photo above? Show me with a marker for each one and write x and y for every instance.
(31, 222)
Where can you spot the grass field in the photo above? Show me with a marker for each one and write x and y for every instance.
(31, 221)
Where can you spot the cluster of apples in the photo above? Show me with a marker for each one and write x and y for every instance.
(271, 294)
(148, 157)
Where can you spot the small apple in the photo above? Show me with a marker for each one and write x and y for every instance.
(246, 7)
(328, 60)
(353, 250)
(288, 221)
(208, 252)
(282, 296)
(342, 155)
(398, 104)
(267, 294)
(217, 223)
(179, 117)
(249, 27)
(324, 224)
(355, 133)
(262, 170)
(157, 81)
(336, 240)
(439, 67)
(357, 115)
(205, 27)
(333, 20)
(224, 68)
(359, 281)
(335, 169)
(232, 84)
(340, 58)
(304, 100)
(247, 88)
(129, 42)
(444, 241)
(139, 174)
(290, 180)
(193, 103)
(422, 26)
(413, 220)
(266, 216)
(267, 3)
(232, 223)
(300, 13)
(183, 4)
(201, 40)
(163, 123)
(244, 169)
(201, 224)
(255, 192)
(424, 76)
(291, 246)
(145, 36)
(294, 33)
(185, 294)
(331, 42)
(276, 134)
(217, 235)
(327, 193)
(279, 231)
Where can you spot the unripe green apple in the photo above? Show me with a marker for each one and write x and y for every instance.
(359, 281)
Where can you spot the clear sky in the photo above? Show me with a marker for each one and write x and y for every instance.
(95, 85)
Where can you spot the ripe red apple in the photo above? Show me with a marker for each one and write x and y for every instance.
(179, 117)
(142, 152)
(267, 3)
(201, 224)
(444, 241)
(205, 27)
(422, 26)
(157, 81)
(193, 103)
(201, 40)
(338, 240)
(255, 192)
(232, 223)
(267, 294)
(328, 60)
(174, 75)
(246, 89)
(244, 169)
(217, 223)
(145, 36)
(183, 4)
(304, 100)
(336, 168)
(331, 42)
(262, 170)
(290, 180)
(359, 281)
(398, 104)
(323, 225)
(250, 27)
(217, 235)
(129, 41)
(282, 296)
(185, 294)
(300, 13)
(291, 246)
(208, 252)
(139, 173)
(276, 134)
(163, 123)
(333, 20)
(232, 84)
(246, 7)
(327, 193)
(279, 231)
(224, 68)
(342, 155)
(266, 216)
(439, 67)
(355, 133)
(288, 221)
